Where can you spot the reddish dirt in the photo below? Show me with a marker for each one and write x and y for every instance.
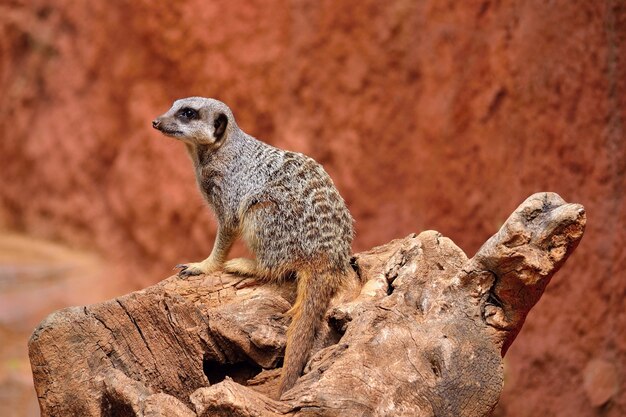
(428, 115)
(37, 277)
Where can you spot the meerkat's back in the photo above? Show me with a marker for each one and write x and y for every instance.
(299, 218)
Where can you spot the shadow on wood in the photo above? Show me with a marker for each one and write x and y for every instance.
(423, 335)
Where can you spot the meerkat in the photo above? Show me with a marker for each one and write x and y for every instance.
(282, 204)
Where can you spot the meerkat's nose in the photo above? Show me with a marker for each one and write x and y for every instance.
(156, 123)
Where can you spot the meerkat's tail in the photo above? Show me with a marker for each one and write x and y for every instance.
(315, 291)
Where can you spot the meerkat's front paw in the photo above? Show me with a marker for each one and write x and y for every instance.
(195, 268)
(241, 266)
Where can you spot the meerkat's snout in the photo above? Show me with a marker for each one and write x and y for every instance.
(168, 127)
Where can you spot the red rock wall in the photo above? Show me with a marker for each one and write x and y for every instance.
(428, 114)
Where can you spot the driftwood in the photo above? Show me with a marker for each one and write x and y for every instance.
(424, 335)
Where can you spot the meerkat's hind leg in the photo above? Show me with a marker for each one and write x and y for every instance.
(242, 266)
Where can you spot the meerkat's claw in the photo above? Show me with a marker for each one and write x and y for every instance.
(188, 270)
(196, 268)
(188, 273)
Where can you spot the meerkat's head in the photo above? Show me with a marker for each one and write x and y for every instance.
(197, 120)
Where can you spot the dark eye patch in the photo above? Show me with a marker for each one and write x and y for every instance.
(188, 113)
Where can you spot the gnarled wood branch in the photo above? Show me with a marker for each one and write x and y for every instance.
(424, 335)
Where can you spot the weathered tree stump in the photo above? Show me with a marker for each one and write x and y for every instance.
(424, 336)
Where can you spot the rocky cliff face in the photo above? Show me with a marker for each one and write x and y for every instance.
(428, 115)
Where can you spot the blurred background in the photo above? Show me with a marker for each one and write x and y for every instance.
(428, 114)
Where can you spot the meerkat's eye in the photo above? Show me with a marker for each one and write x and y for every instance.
(188, 113)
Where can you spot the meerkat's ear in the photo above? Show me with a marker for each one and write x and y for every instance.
(219, 124)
